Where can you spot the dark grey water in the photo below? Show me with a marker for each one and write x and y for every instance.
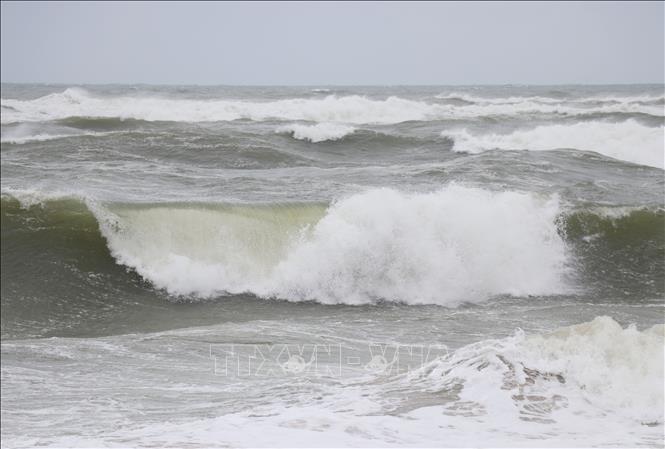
(148, 229)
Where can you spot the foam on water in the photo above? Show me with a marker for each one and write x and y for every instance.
(616, 370)
(457, 244)
(591, 384)
(628, 141)
(317, 133)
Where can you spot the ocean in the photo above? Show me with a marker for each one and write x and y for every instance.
(318, 266)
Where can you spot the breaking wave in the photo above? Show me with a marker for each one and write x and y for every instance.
(320, 132)
(351, 109)
(637, 100)
(598, 370)
(23, 133)
(627, 141)
(455, 245)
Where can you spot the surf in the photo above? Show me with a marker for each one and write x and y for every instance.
(348, 109)
(628, 141)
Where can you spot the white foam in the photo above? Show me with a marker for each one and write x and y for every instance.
(38, 197)
(347, 109)
(628, 141)
(616, 370)
(27, 132)
(613, 368)
(33, 138)
(43, 137)
(632, 103)
(352, 109)
(588, 385)
(595, 375)
(457, 244)
(645, 104)
(317, 133)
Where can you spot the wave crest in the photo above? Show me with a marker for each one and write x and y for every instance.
(22, 133)
(320, 132)
(627, 141)
(351, 109)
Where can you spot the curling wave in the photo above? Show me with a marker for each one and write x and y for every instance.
(446, 247)
(455, 245)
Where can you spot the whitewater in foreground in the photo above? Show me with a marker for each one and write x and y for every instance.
(322, 266)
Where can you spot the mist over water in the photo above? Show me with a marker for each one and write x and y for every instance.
(151, 234)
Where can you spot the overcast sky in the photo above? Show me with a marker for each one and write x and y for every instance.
(333, 43)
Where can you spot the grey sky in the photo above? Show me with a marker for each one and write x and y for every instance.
(333, 43)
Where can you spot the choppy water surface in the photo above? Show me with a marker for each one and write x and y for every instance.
(363, 266)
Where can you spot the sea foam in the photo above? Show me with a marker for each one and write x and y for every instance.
(592, 384)
(596, 371)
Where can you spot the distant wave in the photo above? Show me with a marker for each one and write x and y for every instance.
(352, 109)
(35, 138)
(101, 123)
(25, 132)
(627, 141)
(317, 133)
(635, 100)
